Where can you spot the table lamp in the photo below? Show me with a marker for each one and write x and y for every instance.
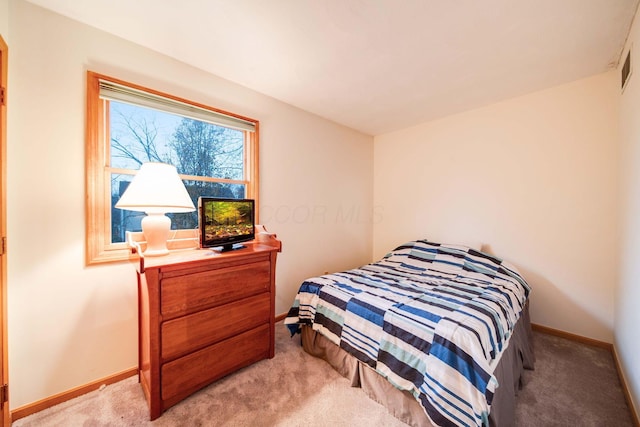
(156, 189)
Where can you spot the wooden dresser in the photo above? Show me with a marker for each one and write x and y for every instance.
(203, 315)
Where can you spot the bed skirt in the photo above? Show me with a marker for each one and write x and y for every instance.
(518, 356)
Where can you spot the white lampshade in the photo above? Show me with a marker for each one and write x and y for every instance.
(156, 189)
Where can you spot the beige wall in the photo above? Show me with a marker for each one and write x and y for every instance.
(4, 20)
(534, 177)
(70, 324)
(627, 319)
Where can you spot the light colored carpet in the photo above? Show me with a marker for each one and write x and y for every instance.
(292, 389)
(573, 385)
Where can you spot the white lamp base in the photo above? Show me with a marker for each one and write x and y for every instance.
(156, 228)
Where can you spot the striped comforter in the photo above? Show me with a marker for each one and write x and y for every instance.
(433, 319)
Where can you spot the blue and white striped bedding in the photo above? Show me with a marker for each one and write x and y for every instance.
(433, 319)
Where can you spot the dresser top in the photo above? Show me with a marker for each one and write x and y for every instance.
(264, 242)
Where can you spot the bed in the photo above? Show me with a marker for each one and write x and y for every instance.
(437, 333)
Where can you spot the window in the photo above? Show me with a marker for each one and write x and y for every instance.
(215, 153)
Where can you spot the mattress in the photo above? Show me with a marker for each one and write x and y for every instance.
(433, 320)
(402, 405)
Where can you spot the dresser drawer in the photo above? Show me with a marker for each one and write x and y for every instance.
(190, 292)
(186, 334)
(183, 376)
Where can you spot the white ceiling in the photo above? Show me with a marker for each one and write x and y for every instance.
(375, 65)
